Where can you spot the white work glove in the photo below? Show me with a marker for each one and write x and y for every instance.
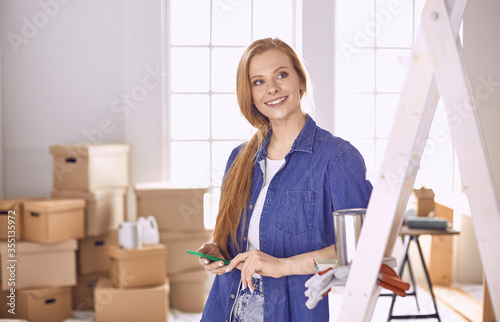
(319, 285)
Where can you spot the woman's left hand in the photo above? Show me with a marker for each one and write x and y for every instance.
(256, 261)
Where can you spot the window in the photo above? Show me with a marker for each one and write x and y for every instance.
(373, 41)
(206, 40)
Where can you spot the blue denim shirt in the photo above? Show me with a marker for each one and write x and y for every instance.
(322, 173)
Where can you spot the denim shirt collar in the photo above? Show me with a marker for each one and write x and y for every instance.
(303, 142)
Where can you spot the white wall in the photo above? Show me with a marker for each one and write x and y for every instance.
(318, 47)
(69, 65)
(482, 50)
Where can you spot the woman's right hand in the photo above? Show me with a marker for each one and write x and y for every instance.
(217, 267)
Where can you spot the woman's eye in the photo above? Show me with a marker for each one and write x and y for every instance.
(257, 82)
(283, 75)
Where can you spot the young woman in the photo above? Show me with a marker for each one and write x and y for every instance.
(278, 195)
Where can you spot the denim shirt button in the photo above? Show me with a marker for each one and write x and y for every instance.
(233, 296)
(244, 238)
(251, 206)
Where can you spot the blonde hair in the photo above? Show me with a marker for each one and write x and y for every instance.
(238, 181)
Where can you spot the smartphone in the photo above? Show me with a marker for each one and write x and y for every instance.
(210, 257)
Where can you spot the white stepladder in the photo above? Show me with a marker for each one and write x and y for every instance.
(437, 68)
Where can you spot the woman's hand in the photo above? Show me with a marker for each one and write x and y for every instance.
(217, 267)
(256, 261)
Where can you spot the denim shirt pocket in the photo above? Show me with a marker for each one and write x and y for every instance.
(295, 215)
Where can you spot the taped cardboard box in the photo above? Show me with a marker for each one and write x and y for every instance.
(130, 305)
(188, 291)
(174, 208)
(423, 201)
(177, 244)
(42, 305)
(54, 220)
(38, 265)
(105, 208)
(93, 253)
(83, 292)
(90, 166)
(137, 267)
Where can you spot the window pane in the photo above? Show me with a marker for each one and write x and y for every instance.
(227, 121)
(189, 69)
(354, 23)
(386, 110)
(190, 22)
(231, 22)
(394, 21)
(356, 73)
(355, 115)
(191, 163)
(220, 154)
(390, 71)
(224, 64)
(273, 19)
(191, 115)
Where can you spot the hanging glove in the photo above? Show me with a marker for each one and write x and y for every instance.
(320, 284)
(390, 280)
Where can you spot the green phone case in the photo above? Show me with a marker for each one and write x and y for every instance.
(210, 257)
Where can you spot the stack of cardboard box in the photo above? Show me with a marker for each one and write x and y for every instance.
(40, 237)
(137, 280)
(179, 214)
(38, 265)
(98, 174)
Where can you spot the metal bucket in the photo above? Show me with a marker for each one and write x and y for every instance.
(348, 224)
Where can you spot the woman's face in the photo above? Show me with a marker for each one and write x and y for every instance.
(275, 87)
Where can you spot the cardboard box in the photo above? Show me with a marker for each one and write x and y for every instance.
(54, 220)
(174, 208)
(423, 201)
(130, 305)
(38, 265)
(137, 267)
(178, 243)
(89, 167)
(11, 209)
(104, 211)
(42, 305)
(187, 291)
(83, 292)
(93, 253)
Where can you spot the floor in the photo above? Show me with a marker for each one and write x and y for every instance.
(407, 306)
(403, 306)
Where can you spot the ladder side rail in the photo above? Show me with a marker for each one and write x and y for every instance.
(391, 190)
(455, 87)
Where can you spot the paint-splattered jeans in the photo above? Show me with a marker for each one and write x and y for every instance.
(249, 307)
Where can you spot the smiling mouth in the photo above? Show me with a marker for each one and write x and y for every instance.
(276, 101)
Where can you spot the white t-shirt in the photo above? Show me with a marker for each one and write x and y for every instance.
(272, 167)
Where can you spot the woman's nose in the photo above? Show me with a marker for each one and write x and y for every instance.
(272, 88)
